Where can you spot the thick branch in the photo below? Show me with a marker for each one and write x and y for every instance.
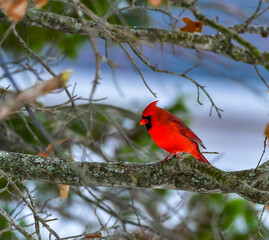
(188, 175)
(217, 43)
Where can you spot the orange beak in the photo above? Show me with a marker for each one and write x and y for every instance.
(143, 121)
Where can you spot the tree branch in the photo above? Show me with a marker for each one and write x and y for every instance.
(187, 174)
(214, 43)
(31, 94)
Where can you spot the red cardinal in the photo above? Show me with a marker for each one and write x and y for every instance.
(171, 133)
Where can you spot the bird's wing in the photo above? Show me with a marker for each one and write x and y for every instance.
(185, 130)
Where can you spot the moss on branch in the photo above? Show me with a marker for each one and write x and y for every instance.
(188, 175)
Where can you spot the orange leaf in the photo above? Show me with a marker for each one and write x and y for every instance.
(62, 141)
(40, 3)
(64, 188)
(155, 3)
(64, 191)
(50, 149)
(44, 154)
(16, 11)
(192, 26)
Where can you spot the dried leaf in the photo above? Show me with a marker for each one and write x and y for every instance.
(64, 191)
(192, 26)
(44, 154)
(40, 3)
(264, 35)
(50, 149)
(17, 10)
(64, 188)
(155, 3)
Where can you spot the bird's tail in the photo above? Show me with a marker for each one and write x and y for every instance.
(201, 157)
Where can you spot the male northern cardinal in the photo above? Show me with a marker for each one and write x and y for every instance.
(171, 133)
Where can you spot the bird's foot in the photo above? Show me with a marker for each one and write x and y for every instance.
(166, 159)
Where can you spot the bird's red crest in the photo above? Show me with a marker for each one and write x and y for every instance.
(150, 108)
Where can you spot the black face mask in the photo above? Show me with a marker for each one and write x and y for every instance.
(148, 124)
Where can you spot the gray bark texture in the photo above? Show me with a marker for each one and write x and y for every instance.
(179, 174)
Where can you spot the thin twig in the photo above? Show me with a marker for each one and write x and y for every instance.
(199, 86)
(13, 24)
(94, 47)
(14, 186)
(260, 220)
(15, 224)
(263, 152)
(109, 33)
(261, 77)
(34, 207)
(254, 16)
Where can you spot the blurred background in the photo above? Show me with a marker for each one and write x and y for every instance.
(114, 133)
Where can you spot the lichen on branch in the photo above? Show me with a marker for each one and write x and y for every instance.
(178, 174)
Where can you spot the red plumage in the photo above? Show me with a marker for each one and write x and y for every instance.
(171, 133)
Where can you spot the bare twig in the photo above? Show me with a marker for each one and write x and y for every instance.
(199, 86)
(260, 220)
(261, 77)
(35, 56)
(263, 152)
(15, 224)
(14, 186)
(34, 207)
(108, 32)
(13, 24)
(254, 16)
(94, 47)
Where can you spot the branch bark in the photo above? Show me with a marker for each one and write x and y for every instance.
(186, 174)
(213, 43)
